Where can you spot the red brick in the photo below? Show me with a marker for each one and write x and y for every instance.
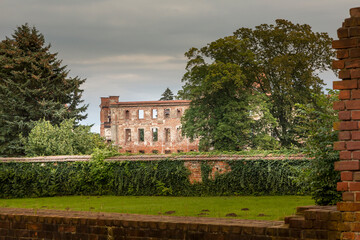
(354, 53)
(342, 186)
(345, 135)
(348, 196)
(344, 115)
(355, 115)
(356, 176)
(343, 32)
(347, 165)
(344, 53)
(352, 104)
(354, 186)
(348, 206)
(355, 135)
(347, 84)
(344, 94)
(353, 145)
(345, 155)
(355, 12)
(349, 125)
(344, 74)
(346, 176)
(356, 155)
(345, 43)
(357, 197)
(339, 105)
(354, 31)
(351, 63)
(352, 22)
(338, 64)
(348, 236)
(355, 73)
(339, 146)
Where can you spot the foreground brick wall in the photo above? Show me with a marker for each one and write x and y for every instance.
(310, 223)
(348, 53)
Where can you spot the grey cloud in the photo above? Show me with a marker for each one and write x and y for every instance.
(134, 48)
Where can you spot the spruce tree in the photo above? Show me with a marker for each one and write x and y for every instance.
(34, 85)
(167, 95)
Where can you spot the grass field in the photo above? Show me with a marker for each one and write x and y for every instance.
(266, 208)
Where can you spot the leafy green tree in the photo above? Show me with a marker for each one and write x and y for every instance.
(316, 123)
(288, 58)
(33, 85)
(46, 139)
(226, 111)
(167, 95)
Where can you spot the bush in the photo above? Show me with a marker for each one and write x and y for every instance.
(66, 139)
(165, 177)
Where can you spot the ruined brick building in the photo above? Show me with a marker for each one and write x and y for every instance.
(145, 127)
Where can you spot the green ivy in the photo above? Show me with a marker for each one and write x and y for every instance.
(161, 178)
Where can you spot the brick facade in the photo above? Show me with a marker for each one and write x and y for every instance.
(145, 127)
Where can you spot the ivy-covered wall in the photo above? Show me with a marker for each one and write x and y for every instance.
(156, 177)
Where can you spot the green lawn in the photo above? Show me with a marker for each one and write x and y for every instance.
(267, 208)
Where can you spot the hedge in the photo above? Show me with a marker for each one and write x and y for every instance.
(165, 177)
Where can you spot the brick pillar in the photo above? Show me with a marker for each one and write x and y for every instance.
(348, 54)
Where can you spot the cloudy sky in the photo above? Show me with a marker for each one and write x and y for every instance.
(135, 48)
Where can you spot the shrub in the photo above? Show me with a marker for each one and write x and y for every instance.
(165, 177)
(66, 139)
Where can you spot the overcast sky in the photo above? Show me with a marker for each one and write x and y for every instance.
(135, 48)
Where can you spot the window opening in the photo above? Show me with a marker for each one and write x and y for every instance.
(142, 151)
(167, 113)
(179, 136)
(155, 134)
(127, 135)
(128, 151)
(141, 135)
(141, 114)
(167, 151)
(167, 135)
(154, 113)
(155, 151)
(180, 151)
(178, 113)
(127, 114)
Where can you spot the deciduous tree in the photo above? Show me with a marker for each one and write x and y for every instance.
(288, 58)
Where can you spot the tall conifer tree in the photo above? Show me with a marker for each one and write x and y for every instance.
(33, 85)
(167, 95)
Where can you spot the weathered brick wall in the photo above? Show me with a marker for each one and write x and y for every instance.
(348, 54)
(310, 223)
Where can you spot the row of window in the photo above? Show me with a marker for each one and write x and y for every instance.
(155, 135)
(154, 113)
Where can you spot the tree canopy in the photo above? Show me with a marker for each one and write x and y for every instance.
(34, 85)
(277, 64)
(220, 112)
(66, 138)
(167, 95)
